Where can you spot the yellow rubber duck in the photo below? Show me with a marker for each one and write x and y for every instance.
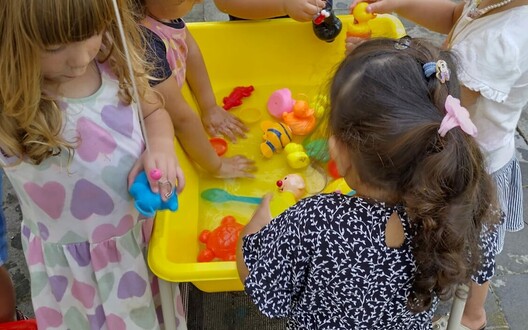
(296, 156)
(371, 25)
(359, 27)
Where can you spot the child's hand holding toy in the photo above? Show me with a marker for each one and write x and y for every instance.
(302, 10)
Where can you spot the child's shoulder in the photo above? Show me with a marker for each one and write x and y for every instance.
(336, 203)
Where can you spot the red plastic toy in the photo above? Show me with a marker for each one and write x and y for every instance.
(20, 325)
(219, 145)
(221, 242)
(235, 98)
(332, 169)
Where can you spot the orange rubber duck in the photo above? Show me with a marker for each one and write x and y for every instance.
(301, 120)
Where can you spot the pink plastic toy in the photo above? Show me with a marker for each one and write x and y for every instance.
(280, 102)
(155, 174)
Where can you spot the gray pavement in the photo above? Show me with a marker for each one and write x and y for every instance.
(506, 304)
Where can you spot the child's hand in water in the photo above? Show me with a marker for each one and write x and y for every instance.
(218, 121)
(236, 167)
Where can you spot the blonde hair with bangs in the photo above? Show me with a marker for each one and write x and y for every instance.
(31, 122)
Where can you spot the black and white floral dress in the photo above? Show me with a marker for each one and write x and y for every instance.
(324, 264)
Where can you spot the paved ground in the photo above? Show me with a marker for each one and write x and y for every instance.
(506, 304)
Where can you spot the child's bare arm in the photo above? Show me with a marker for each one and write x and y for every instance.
(467, 96)
(160, 153)
(191, 135)
(299, 10)
(216, 120)
(260, 218)
(435, 15)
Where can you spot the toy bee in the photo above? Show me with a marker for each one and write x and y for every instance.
(276, 137)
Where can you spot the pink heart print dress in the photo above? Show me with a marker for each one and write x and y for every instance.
(83, 239)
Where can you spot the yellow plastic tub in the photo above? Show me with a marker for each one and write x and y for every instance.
(269, 55)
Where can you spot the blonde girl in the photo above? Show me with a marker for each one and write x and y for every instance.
(71, 142)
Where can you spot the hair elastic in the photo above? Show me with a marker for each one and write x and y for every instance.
(429, 68)
(403, 43)
(456, 116)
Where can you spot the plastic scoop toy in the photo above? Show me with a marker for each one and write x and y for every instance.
(217, 195)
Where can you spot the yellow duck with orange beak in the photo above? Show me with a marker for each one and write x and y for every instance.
(370, 25)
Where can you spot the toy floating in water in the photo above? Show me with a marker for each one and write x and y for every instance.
(221, 242)
(332, 169)
(148, 202)
(296, 156)
(249, 115)
(276, 137)
(219, 145)
(234, 99)
(301, 119)
(279, 102)
(217, 195)
(370, 25)
(317, 149)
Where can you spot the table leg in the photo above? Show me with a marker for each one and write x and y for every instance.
(457, 308)
(167, 304)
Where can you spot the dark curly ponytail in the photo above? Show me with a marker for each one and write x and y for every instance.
(388, 113)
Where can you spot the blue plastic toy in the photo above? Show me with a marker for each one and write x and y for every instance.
(148, 202)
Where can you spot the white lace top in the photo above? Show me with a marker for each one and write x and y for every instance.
(493, 55)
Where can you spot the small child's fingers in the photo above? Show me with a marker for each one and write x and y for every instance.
(311, 10)
(354, 3)
(240, 124)
(212, 131)
(245, 174)
(180, 179)
(136, 168)
(320, 4)
(250, 168)
(351, 43)
(243, 159)
(238, 131)
(229, 134)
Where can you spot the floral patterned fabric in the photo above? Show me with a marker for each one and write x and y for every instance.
(324, 264)
(83, 240)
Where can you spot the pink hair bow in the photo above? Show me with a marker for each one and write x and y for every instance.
(456, 115)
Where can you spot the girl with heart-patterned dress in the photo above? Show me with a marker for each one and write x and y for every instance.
(71, 143)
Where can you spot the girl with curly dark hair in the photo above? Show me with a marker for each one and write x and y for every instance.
(381, 259)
